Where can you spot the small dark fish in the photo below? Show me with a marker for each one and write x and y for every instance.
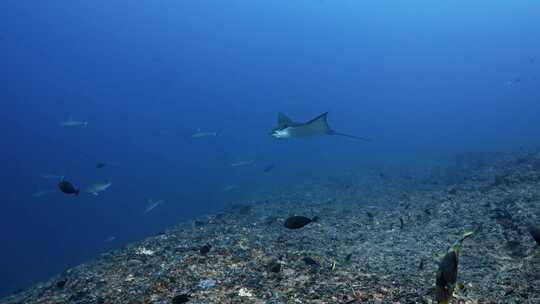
(348, 257)
(205, 249)
(421, 265)
(181, 298)
(401, 223)
(535, 233)
(61, 283)
(274, 266)
(67, 188)
(268, 168)
(445, 280)
(296, 222)
(311, 262)
(446, 277)
(100, 165)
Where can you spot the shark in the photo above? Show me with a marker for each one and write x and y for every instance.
(242, 163)
(287, 128)
(229, 188)
(95, 189)
(152, 205)
(200, 134)
(51, 176)
(73, 123)
(41, 193)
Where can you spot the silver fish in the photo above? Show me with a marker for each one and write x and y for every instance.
(200, 134)
(152, 205)
(242, 163)
(73, 123)
(95, 189)
(41, 193)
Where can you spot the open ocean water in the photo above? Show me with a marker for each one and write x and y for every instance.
(160, 112)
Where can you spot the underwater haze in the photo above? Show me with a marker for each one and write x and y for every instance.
(424, 80)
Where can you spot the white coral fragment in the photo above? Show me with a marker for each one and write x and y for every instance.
(144, 251)
(244, 292)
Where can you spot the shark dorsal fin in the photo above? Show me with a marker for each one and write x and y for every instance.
(283, 120)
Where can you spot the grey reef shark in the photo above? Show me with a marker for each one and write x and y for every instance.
(318, 126)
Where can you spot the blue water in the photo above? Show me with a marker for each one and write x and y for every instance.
(424, 79)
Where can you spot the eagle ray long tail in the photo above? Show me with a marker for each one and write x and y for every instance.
(351, 136)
